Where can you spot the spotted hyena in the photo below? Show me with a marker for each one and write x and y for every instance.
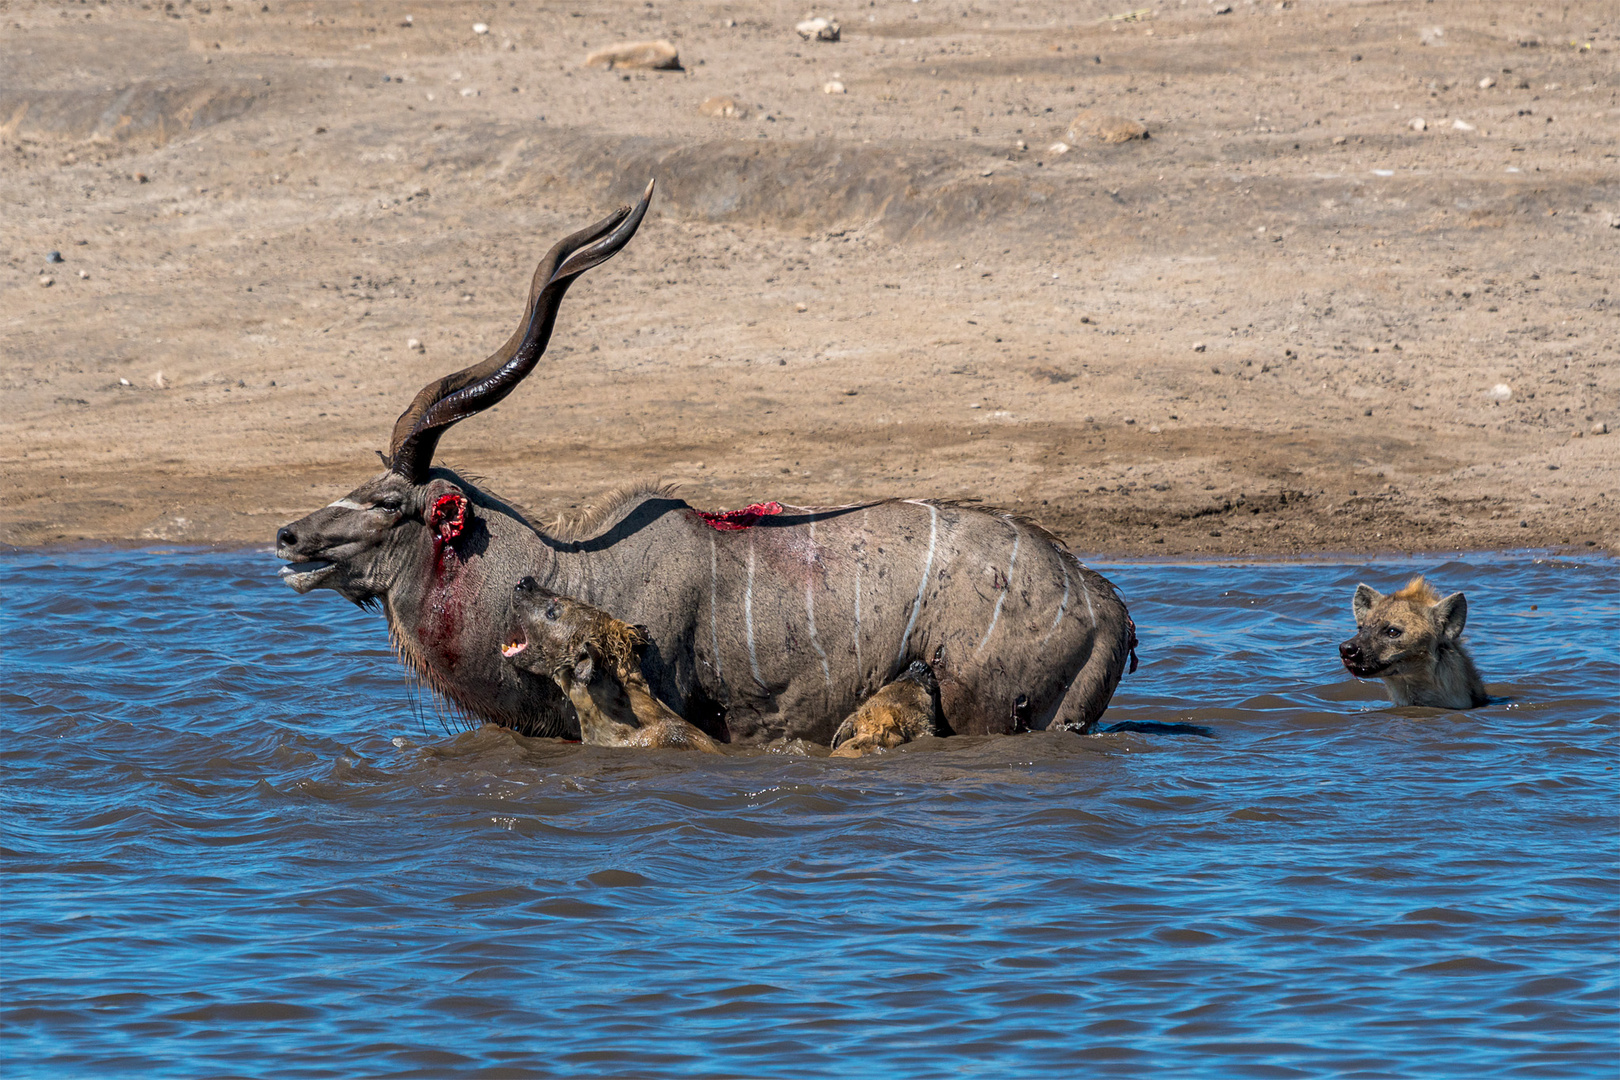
(1412, 639)
(904, 710)
(596, 660)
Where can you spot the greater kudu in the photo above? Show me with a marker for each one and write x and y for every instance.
(765, 622)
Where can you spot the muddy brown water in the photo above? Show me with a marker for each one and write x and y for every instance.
(237, 842)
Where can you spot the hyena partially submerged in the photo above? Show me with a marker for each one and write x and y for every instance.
(903, 711)
(1412, 639)
(596, 660)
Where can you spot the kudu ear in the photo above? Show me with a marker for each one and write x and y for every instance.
(1450, 616)
(448, 510)
(1366, 596)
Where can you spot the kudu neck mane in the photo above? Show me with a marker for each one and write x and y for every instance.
(605, 512)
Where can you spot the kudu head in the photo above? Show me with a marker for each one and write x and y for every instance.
(347, 545)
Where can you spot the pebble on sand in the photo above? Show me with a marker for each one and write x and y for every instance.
(1417, 123)
(1058, 148)
(818, 30)
(657, 55)
(1199, 346)
(1500, 392)
(721, 106)
(833, 87)
(1089, 124)
(159, 381)
(123, 382)
(46, 281)
(480, 28)
(801, 307)
(1486, 83)
(1600, 428)
(1462, 125)
(53, 256)
(413, 344)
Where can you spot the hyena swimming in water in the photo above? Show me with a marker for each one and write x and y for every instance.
(1412, 639)
(596, 660)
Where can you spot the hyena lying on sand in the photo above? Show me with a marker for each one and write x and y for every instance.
(905, 709)
(1412, 640)
(596, 660)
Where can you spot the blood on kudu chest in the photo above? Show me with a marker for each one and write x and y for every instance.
(450, 587)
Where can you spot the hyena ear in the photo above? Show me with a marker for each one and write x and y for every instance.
(585, 662)
(1366, 596)
(1450, 615)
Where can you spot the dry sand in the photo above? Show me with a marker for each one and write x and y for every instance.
(1272, 326)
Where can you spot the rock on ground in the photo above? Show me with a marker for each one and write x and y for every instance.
(818, 29)
(651, 55)
(1091, 125)
(721, 105)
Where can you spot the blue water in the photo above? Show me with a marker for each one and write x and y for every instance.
(238, 843)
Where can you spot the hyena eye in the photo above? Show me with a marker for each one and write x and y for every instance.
(1392, 631)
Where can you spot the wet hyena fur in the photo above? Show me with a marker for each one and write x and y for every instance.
(1412, 639)
(902, 711)
(595, 660)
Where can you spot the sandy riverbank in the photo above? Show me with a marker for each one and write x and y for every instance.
(1271, 327)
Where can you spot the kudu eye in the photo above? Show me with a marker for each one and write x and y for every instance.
(1392, 631)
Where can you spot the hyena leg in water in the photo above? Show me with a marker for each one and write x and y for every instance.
(904, 710)
(616, 708)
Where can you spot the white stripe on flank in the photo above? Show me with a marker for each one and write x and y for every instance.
(748, 613)
(997, 613)
(810, 604)
(916, 608)
(1064, 605)
(714, 604)
(1087, 594)
(346, 504)
(860, 561)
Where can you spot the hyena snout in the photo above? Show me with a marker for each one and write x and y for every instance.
(1356, 659)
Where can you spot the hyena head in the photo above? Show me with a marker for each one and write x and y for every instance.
(1402, 633)
(551, 634)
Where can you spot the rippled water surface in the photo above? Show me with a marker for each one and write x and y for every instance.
(238, 843)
